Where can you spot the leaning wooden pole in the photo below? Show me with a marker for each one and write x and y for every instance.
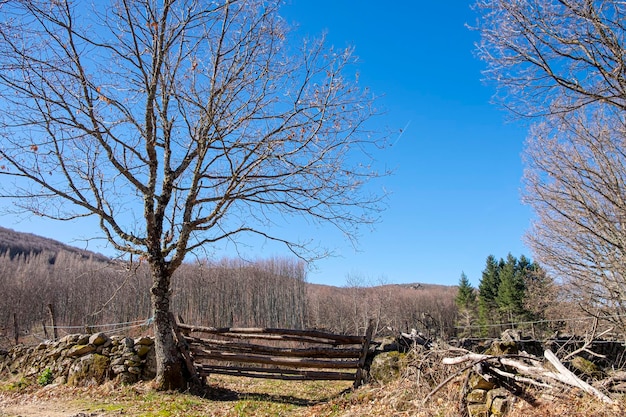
(184, 350)
(16, 329)
(53, 320)
(361, 372)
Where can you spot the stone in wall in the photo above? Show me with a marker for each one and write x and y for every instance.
(84, 359)
(484, 398)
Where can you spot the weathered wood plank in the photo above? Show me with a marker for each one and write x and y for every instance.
(236, 347)
(184, 350)
(315, 336)
(318, 355)
(283, 338)
(278, 361)
(276, 373)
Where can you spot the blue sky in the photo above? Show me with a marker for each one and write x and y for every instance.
(455, 191)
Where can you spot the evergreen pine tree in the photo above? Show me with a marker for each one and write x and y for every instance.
(466, 296)
(525, 264)
(466, 303)
(510, 296)
(487, 293)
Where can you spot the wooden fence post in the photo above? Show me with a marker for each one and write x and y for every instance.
(360, 372)
(16, 329)
(184, 350)
(45, 330)
(53, 319)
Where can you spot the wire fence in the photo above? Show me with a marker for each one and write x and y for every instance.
(476, 331)
(470, 331)
(531, 322)
(109, 328)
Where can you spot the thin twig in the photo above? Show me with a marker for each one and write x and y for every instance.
(447, 380)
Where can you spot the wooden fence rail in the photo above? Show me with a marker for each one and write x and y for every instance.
(275, 353)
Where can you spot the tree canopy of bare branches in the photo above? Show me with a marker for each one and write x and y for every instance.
(564, 62)
(554, 56)
(575, 183)
(180, 124)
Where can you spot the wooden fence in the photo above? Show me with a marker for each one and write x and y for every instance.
(275, 353)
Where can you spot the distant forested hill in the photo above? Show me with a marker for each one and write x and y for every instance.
(18, 243)
(37, 271)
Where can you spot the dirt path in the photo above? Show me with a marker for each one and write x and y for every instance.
(43, 410)
(44, 402)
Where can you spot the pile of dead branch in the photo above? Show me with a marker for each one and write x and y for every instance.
(532, 378)
(543, 379)
(516, 371)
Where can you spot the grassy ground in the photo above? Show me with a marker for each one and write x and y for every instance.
(229, 397)
(225, 396)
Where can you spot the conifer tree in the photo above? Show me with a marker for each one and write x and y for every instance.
(466, 297)
(466, 303)
(502, 292)
(510, 295)
(487, 293)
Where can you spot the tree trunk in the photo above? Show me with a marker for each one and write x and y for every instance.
(168, 359)
(16, 329)
(53, 320)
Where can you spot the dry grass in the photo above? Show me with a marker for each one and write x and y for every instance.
(236, 397)
(571, 406)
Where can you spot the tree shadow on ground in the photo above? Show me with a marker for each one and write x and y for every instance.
(220, 393)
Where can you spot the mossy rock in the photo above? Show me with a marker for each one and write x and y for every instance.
(477, 396)
(499, 348)
(142, 350)
(387, 366)
(145, 341)
(587, 368)
(80, 350)
(478, 382)
(98, 339)
(499, 407)
(90, 369)
(478, 410)
(100, 367)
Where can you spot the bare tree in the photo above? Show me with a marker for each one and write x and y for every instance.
(554, 56)
(180, 124)
(564, 62)
(575, 183)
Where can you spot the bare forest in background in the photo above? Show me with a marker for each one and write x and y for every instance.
(87, 290)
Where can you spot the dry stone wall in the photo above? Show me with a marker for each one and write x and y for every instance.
(485, 399)
(84, 359)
